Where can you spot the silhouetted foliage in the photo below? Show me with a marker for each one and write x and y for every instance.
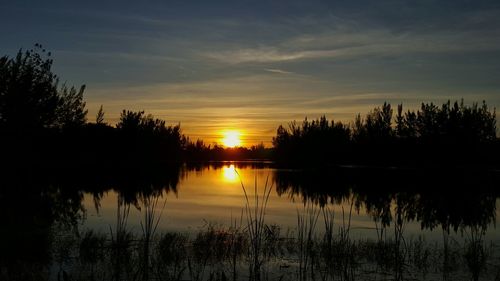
(35, 206)
(376, 128)
(457, 123)
(451, 199)
(31, 236)
(147, 139)
(44, 129)
(46, 124)
(41, 123)
(199, 151)
(99, 118)
(455, 134)
(71, 111)
(29, 95)
(318, 137)
(40, 120)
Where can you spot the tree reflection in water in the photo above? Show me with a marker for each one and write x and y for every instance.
(36, 208)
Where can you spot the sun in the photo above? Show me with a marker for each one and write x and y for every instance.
(229, 173)
(231, 138)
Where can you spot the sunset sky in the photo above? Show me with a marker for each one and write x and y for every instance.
(252, 65)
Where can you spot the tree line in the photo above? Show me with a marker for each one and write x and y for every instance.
(45, 121)
(451, 133)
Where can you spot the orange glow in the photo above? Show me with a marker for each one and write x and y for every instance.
(229, 173)
(231, 138)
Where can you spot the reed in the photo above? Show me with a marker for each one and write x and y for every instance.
(419, 255)
(91, 251)
(222, 253)
(171, 254)
(306, 228)
(475, 252)
(238, 244)
(400, 249)
(148, 227)
(328, 245)
(255, 212)
(347, 260)
(121, 242)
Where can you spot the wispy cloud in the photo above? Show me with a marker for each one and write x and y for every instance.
(269, 54)
(359, 44)
(279, 71)
(260, 64)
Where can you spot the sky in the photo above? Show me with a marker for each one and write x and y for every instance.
(253, 65)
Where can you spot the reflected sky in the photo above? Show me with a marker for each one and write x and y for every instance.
(215, 65)
(215, 196)
(229, 174)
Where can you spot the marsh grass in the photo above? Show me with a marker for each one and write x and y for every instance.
(419, 254)
(121, 243)
(400, 247)
(217, 252)
(255, 250)
(255, 213)
(170, 256)
(345, 259)
(450, 254)
(148, 226)
(63, 252)
(238, 244)
(328, 245)
(91, 252)
(306, 232)
(210, 250)
(475, 251)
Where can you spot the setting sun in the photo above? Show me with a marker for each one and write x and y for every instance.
(231, 138)
(229, 173)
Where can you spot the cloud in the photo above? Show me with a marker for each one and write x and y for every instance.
(267, 64)
(279, 71)
(269, 54)
(353, 44)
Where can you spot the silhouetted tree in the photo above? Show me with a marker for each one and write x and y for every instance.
(458, 134)
(28, 91)
(453, 199)
(311, 141)
(147, 139)
(29, 95)
(406, 124)
(99, 118)
(71, 111)
(455, 123)
(376, 127)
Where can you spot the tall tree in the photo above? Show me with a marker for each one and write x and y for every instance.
(71, 111)
(99, 118)
(29, 95)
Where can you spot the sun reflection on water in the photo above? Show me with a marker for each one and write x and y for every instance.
(229, 173)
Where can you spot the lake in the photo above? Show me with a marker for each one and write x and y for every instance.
(251, 220)
(213, 194)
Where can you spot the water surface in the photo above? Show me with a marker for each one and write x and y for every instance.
(215, 194)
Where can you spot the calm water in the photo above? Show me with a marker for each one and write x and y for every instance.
(78, 224)
(213, 194)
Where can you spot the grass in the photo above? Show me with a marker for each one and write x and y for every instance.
(220, 252)
(121, 243)
(306, 230)
(255, 212)
(475, 251)
(170, 256)
(256, 250)
(148, 227)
